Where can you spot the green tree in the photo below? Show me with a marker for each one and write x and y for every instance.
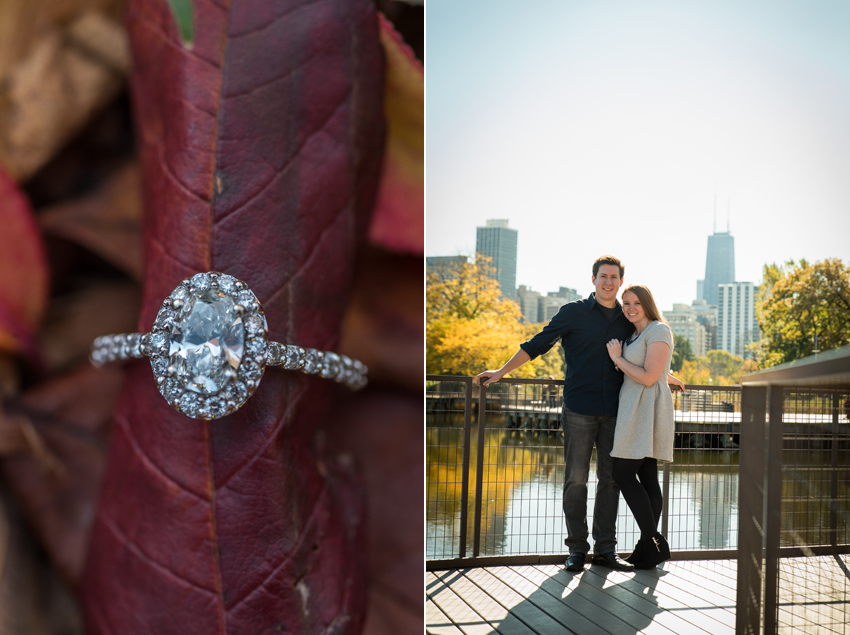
(798, 301)
(682, 352)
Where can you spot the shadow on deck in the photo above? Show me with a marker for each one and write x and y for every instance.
(680, 597)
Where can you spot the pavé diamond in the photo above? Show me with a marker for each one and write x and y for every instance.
(227, 283)
(201, 281)
(254, 323)
(207, 342)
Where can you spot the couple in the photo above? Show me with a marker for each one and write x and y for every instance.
(616, 396)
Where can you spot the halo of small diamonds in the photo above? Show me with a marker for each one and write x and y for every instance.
(241, 378)
(209, 348)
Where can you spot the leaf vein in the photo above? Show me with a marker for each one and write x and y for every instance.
(271, 437)
(296, 547)
(148, 462)
(157, 29)
(286, 166)
(158, 243)
(166, 168)
(137, 551)
(313, 250)
(259, 29)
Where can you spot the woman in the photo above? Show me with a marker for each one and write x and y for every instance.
(644, 432)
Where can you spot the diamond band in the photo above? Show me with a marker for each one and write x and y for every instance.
(209, 348)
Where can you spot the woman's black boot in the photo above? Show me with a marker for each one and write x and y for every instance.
(637, 553)
(655, 551)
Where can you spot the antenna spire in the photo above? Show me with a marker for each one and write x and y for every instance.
(714, 229)
(728, 213)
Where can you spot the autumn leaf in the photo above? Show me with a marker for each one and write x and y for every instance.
(23, 272)
(261, 148)
(399, 221)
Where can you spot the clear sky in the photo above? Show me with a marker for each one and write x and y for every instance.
(607, 127)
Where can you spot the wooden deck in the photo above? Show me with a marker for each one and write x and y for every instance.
(682, 597)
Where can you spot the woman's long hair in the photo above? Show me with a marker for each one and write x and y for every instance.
(646, 300)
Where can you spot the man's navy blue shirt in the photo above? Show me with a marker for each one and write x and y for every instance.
(592, 383)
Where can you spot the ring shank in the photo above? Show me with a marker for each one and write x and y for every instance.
(340, 368)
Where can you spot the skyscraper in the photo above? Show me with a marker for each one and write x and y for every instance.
(719, 265)
(736, 318)
(498, 242)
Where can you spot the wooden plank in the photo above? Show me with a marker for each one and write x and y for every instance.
(694, 597)
(501, 618)
(695, 578)
(437, 622)
(525, 611)
(622, 587)
(608, 612)
(677, 613)
(699, 590)
(544, 602)
(684, 596)
(453, 606)
(723, 573)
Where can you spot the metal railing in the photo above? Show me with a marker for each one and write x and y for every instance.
(495, 471)
(795, 496)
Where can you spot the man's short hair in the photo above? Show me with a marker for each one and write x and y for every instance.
(608, 260)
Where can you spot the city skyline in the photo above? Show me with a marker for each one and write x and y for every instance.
(721, 247)
(613, 129)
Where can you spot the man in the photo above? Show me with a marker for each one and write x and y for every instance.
(591, 395)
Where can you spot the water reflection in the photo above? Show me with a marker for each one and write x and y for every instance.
(522, 480)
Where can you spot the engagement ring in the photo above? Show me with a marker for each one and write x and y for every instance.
(209, 348)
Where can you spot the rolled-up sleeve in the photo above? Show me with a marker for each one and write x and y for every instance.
(550, 335)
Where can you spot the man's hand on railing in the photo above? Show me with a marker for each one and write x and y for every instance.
(491, 377)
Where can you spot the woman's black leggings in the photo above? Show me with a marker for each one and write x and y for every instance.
(638, 481)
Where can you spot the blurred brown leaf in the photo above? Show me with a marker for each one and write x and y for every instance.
(21, 21)
(69, 73)
(108, 222)
(71, 415)
(75, 319)
(33, 599)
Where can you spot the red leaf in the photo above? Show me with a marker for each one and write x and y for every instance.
(261, 151)
(399, 221)
(23, 271)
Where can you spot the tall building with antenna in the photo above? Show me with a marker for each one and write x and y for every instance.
(719, 262)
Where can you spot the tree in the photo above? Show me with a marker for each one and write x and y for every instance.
(718, 368)
(471, 327)
(798, 302)
(722, 363)
(682, 352)
(694, 373)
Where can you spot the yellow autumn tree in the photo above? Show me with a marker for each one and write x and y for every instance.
(716, 368)
(470, 326)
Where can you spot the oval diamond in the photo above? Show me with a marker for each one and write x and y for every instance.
(207, 341)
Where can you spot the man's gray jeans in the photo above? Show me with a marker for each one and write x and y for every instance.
(580, 434)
